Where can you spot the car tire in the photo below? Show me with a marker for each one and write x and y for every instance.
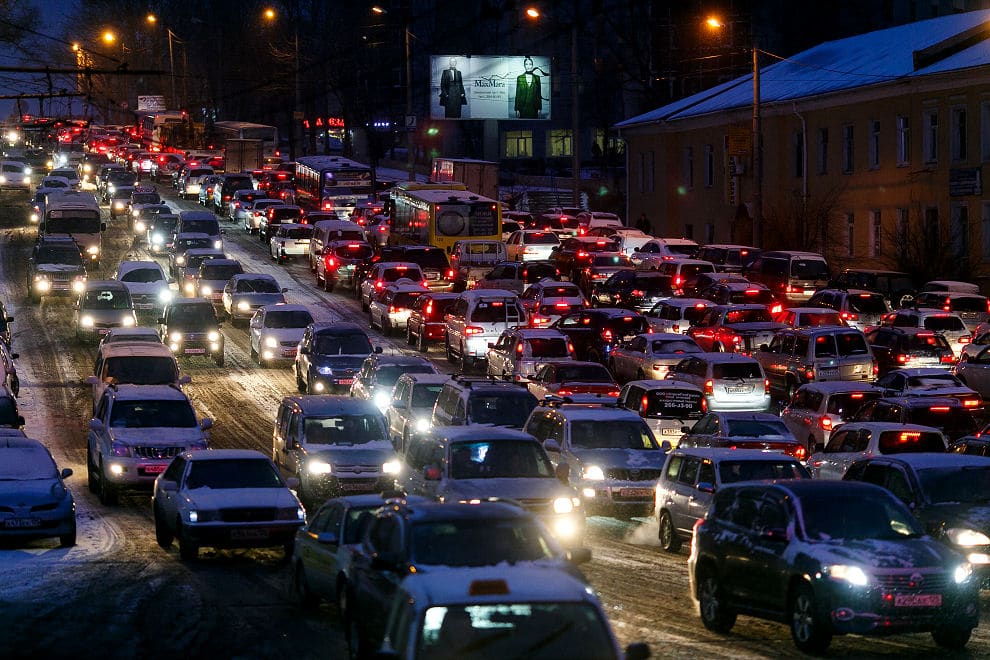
(715, 614)
(409, 337)
(951, 637)
(809, 629)
(669, 540)
(188, 551)
(450, 352)
(163, 534)
(300, 588)
(92, 482)
(789, 390)
(327, 284)
(421, 343)
(108, 492)
(301, 385)
(254, 353)
(68, 540)
(386, 328)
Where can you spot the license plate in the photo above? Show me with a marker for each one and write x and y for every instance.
(809, 292)
(742, 389)
(195, 351)
(144, 306)
(289, 352)
(248, 534)
(636, 492)
(828, 373)
(670, 432)
(154, 469)
(21, 523)
(917, 600)
(103, 331)
(345, 381)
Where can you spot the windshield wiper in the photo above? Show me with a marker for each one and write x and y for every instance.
(549, 639)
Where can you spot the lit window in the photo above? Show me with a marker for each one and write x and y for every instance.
(519, 144)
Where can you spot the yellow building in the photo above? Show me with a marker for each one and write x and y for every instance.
(873, 153)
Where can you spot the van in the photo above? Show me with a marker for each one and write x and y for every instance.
(477, 318)
(792, 276)
(134, 363)
(201, 222)
(328, 231)
(684, 273)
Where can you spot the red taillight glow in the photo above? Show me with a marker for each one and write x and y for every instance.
(825, 423)
(938, 408)
(766, 386)
(971, 403)
(709, 387)
(849, 316)
(607, 335)
(330, 262)
(473, 330)
(519, 348)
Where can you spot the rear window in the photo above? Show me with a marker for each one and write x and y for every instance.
(816, 319)
(434, 258)
(927, 342)
(627, 326)
(535, 272)
(561, 291)
(299, 232)
(692, 270)
(583, 373)
(392, 274)
(845, 404)
(541, 238)
(953, 421)
(843, 344)
(968, 304)
(560, 308)
(494, 311)
(763, 470)
(225, 272)
(757, 428)
(612, 260)
(867, 303)
(809, 269)
(910, 442)
(547, 347)
(762, 296)
(687, 250)
(355, 251)
(672, 404)
(438, 308)
(676, 346)
(208, 227)
(946, 322)
(404, 300)
(736, 370)
(758, 315)
(283, 214)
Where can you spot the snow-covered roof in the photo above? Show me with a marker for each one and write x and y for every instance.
(913, 50)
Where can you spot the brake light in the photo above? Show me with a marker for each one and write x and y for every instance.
(330, 262)
(970, 403)
(751, 292)
(800, 453)
(519, 348)
(564, 392)
(638, 293)
(644, 403)
(607, 335)
(570, 348)
(938, 408)
(539, 320)
(903, 359)
(766, 386)
(825, 423)
(429, 308)
(451, 273)
(965, 340)
(561, 305)
(908, 437)
(582, 254)
(678, 280)
(849, 316)
(379, 284)
(327, 206)
(709, 387)
(473, 330)
(776, 308)
(426, 284)
(948, 359)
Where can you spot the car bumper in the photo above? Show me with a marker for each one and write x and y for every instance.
(240, 535)
(138, 474)
(195, 347)
(39, 524)
(337, 486)
(477, 346)
(749, 403)
(621, 498)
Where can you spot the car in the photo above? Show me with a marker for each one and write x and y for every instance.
(102, 305)
(980, 339)
(225, 498)
(206, 186)
(948, 324)
(455, 463)
(476, 319)
(744, 430)
(808, 317)
(610, 454)
(243, 295)
(947, 494)
(572, 377)
(119, 198)
(792, 275)
(34, 501)
(334, 445)
(817, 555)
(15, 175)
(8, 370)
(275, 216)
(730, 381)
(189, 326)
(201, 222)
(426, 323)
(384, 273)
(134, 434)
(240, 202)
(275, 331)
(684, 273)
(130, 335)
(860, 309)
(472, 259)
(329, 356)
(856, 440)
(598, 269)
(633, 289)
(432, 261)
(255, 214)
(595, 332)
(190, 180)
(949, 415)
(667, 406)
(928, 382)
(517, 277)
(818, 407)
(165, 164)
(212, 277)
(972, 308)
(413, 538)
(413, 399)
(650, 355)
(55, 268)
(973, 370)
(677, 314)
(909, 347)
(181, 244)
(691, 476)
(6, 336)
(896, 286)
(731, 293)
(658, 250)
(574, 254)
(738, 328)
(339, 262)
(224, 190)
(547, 300)
(147, 284)
(69, 174)
(290, 240)
(161, 232)
(379, 374)
(188, 274)
(469, 400)
(974, 445)
(390, 307)
(133, 363)
(531, 245)
(728, 258)
(519, 353)
(142, 215)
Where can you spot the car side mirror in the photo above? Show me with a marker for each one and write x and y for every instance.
(292, 483)
(10, 319)
(327, 538)
(66, 473)
(637, 651)
(206, 423)
(551, 445)
(563, 472)
(378, 349)
(706, 487)
(431, 473)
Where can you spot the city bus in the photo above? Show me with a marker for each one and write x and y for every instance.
(243, 130)
(441, 216)
(331, 183)
(152, 125)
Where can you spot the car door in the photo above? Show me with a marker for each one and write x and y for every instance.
(377, 586)
(398, 411)
(500, 355)
(701, 495)
(975, 372)
(320, 559)
(683, 493)
(765, 577)
(165, 500)
(628, 358)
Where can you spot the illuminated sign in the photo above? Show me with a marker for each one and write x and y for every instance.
(482, 87)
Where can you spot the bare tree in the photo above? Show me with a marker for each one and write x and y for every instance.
(793, 221)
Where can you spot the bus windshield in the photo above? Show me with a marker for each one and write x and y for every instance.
(73, 225)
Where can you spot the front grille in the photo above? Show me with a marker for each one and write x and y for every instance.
(144, 298)
(290, 344)
(536, 505)
(157, 452)
(51, 506)
(912, 581)
(626, 474)
(358, 469)
(247, 515)
(61, 277)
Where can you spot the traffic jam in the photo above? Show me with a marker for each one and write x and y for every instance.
(469, 411)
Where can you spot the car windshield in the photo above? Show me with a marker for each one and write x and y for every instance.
(757, 315)
(404, 299)
(192, 244)
(425, 395)
(298, 233)
(141, 370)
(152, 414)
(209, 227)
(393, 274)
(288, 319)
(612, 261)
(344, 430)
(192, 316)
(969, 304)
(547, 347)
(736, 370)
(761, 470)
(861, 515)
(163, 224)
(752, 428)
(143, 276)
(355, 343)
(585, 373)
(502, 409)
(68, 255)
(223, 272)
(106, 299)
(498, 459)
(258, 285)
(478, 542)
(845, 404)
(611, 434)
(674, 346)
(233, 473)
(193, 261)
(948, 485)
(433, 258)
(514, 630)
(23, 463)
(145, 198)
(809, 269)
(842, 344)
(867, 303)
(928, 343)
(385, 376)
(652, 284)
(944, 322)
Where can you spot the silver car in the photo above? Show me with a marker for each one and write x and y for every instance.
(519, 353)
(650, 355)
(244, 294)
(730, 381)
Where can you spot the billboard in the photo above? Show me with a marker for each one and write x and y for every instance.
(150, 103)
(485, 87)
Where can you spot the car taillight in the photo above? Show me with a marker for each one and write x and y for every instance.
(426, 285)
(519, 348)
(903, 359)
(678, 280)
(709, 387)
(825, 423)
(451, 274)
(379, 284)
(876, 371)
(392, 309)
(539, 320)
(473, 330)
(637, 292)
(330, 262)
(607, 335)
(809, 372)
(582, 254)
(948, 359)
(570, 348)
(800, 453)
(849, 316)
(429, 308)
(327, 206)
(971, 403)
(766, 386)
(965, 340)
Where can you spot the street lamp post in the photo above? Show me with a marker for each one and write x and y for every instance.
(410, 151)
(271, 15)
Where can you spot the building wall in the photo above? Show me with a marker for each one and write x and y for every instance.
(682, 200)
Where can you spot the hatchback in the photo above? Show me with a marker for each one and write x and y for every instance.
(855, 440)
(730, 381)
(817, 408)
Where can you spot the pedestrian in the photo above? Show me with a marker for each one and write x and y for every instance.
(643, 224)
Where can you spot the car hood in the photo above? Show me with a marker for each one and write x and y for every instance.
(209, 499)
(352, 362)
(27, 493)
(58, 268)
(627, 458)
(909, 553)
(146, 288)
(258, 298)
(157, 435)
(285, 334)
(966, 516)
(372, 453)
(509, 487)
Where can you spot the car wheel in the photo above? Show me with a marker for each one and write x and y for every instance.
(188, 551)
(300, 385)
(68, 540)
(300, 587)
(809, 629)
(386, 328)
(715, 614)
(421, 343)
(163, 534)
(951, 637)
(91, 479)
(669, 540)
(449, 350)
(790, 390)
(108, 492)
(327, 284)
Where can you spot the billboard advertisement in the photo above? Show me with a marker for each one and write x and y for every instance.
(485, 87)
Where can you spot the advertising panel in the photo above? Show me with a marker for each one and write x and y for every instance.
(484, 87)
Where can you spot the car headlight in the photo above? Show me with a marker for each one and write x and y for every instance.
(563, 505)
(213, 335)
(391, 467)
(27, 170)
(93, 249)
(243, 306)
(118, 205)
(271, 342)
(854, 575)
(963, 572)
(190, 288)
(157, 238)
(139, 226)
(165, 295)
(422, 425)
(192, 515)
(319, 467)
(382, 399)
(593, 473)
(127, 321)
(175, 336)
(86, 321)
(3, 179)
(217, 245)
(135, 213)
(966, 538)
(87, 168)
(207, 290)
(180, 260)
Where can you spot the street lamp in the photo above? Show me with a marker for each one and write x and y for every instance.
(410, 154)
(757, 137)
(270, 15)
(535, 14)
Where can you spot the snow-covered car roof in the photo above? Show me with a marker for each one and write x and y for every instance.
(666, 384)
(129, 392)
(523, 584)
(921, 461)
(223, 454)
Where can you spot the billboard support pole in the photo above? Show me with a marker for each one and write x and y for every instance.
(410, 154)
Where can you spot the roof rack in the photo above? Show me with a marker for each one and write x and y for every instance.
(555, 401)
(470, 380)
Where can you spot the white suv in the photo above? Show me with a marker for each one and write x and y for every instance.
(477, 319)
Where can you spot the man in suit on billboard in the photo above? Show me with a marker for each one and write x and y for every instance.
(529, 102)
(452, 95)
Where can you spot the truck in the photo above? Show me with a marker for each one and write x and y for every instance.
(479, 176)
(244, 155)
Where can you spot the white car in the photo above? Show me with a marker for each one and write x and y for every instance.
(14, 174)
(389, 309)
(147, 284)
(856, 440)
(254, 213)
(818, 407)
(531, 245)
(275, 332)
(291, 239)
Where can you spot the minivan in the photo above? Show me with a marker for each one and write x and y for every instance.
(201, 222)
(791, 275)
(328, 231)
(477, 319)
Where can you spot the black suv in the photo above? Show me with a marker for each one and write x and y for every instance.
(55, 268)
(946, 414)
(402, 538)
(909, 347)
(595, 332)
(431, 260)
(329, 357)
(189, 326)
(828, 558)
(895, 286)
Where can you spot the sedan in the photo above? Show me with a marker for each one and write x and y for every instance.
(34, 502)
(650, 355)
(245, 294)
(275, 332)
(744, 430)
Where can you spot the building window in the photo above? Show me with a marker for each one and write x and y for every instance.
(902, 232)
(985, 131)
(798, 153)
(876, 234)
(606, 144)
(847, 148)
(560, 143)
(930, 145)
(689, 167)
(709, 232)
(959, 230)
(709, 166)
(823, 151)
(850, 235)
(985, 221)
(874, 150)
(519, 144)
(958, 128)
(903, 140)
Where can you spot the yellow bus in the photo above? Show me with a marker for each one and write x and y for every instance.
(442, 216)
